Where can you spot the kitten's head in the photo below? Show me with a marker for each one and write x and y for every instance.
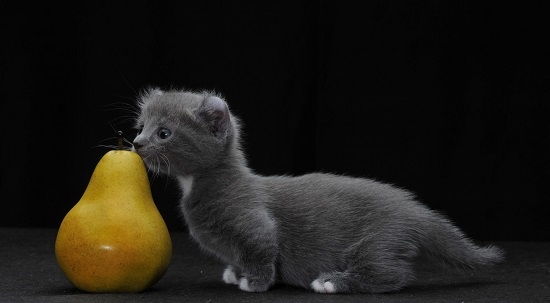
(183, 133)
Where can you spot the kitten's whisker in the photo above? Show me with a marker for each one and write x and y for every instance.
(108, 139)
(130, 108)
(112, 147)
(166, 160)
(119, 106)
(150, 168)
(153, 168)
(122, 119)
(130, 111)
(159, 166)
(127, 83)
(113, 139)
(128, 141)
(128, 98)
(105, 146)
(123, 105)
(157, 173)
(113, 128)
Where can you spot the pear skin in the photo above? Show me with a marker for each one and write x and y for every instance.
(114, 239)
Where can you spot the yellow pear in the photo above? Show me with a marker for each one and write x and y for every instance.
(114, 239)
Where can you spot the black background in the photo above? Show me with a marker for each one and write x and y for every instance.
(449, 99)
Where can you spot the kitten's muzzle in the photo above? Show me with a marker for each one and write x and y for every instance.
(138, 142)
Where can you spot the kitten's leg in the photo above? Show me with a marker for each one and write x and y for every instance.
(231, 275)
(257, 252)
(333, 282)
(373, 268)
(258, 278)
(372, 280)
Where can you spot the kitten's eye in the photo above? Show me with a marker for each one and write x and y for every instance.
(140, 129)
(164, 133)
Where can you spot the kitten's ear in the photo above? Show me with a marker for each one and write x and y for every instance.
(214, 113)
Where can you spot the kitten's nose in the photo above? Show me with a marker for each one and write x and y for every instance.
(137, 145)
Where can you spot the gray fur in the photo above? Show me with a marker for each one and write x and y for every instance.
(321, 231)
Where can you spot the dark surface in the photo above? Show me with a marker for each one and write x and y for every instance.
(29, 273)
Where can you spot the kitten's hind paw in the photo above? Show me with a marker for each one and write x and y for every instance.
(243, 285)
(251, 286)
(324, 287)
(230, 277)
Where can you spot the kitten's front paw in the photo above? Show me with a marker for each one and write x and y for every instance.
(324, 287)
(229, 276)
(252, 286)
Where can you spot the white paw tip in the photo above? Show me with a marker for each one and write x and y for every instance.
(317, 286)
(320, 287)
(229, 277)
(243, 285)
(329, 287)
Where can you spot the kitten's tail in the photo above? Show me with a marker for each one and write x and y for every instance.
(446, 245)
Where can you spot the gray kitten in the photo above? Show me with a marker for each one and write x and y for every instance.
(329, 233)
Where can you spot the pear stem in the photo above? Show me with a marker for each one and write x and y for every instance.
(120, 138)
